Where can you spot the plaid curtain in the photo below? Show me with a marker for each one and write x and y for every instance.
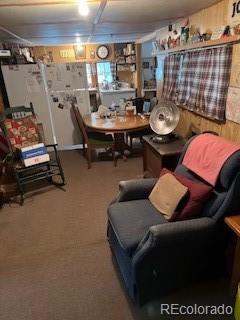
(113, 70)
(204, 80)
(171, 74)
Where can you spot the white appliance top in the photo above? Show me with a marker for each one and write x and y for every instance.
(117, 91)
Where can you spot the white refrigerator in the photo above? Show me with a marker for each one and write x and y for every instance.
(51, 88)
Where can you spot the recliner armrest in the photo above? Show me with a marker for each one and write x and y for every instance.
(182, 230)
(135, 189)
(179, 235)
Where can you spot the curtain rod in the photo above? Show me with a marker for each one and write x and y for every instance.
(205, 48)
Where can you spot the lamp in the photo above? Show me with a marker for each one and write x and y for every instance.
(83, 8)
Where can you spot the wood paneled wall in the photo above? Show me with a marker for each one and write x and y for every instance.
(38, 52)
(206, 19)
(189, 121)
(211, 17)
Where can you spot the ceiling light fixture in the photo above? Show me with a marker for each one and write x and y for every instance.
(78, 40)
(83, 8)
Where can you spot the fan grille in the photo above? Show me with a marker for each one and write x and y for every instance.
(164, 118)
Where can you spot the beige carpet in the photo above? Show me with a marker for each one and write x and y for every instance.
(55, 263)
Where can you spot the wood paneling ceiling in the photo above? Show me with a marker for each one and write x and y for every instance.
(45, 22)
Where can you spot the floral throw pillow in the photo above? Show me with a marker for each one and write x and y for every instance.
(22, 132)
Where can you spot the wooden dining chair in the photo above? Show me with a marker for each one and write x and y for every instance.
(138, 134)
(93, 140)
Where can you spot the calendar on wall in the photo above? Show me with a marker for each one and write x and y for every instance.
(67, 53)
(234, 12)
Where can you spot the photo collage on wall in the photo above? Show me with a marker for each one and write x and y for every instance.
(233, 102)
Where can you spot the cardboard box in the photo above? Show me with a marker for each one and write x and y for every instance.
(35, 160)
(33, 151)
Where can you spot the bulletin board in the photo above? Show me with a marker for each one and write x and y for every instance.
(233, 105)
(235, 73)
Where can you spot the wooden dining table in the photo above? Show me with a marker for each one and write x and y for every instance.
(117, 125)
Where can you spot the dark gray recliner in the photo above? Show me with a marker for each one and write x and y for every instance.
(155, 256)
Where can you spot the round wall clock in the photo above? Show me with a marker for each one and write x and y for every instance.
(102, 52)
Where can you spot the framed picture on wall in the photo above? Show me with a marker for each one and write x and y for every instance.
(80, 52)
(92, 54)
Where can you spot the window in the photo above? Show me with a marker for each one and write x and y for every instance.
(98, 72)
(199, 80)
(104, 72)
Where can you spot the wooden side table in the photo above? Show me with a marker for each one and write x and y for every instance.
(234, 223)
(156, 155)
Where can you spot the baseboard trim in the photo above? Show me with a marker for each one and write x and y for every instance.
(70, 147)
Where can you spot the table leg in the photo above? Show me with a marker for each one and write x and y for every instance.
(235, 278)
(120, 144)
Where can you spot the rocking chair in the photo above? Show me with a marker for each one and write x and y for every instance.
(20, 128)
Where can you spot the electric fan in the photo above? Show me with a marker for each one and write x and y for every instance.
(163, 120)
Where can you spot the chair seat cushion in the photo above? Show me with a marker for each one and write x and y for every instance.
(140, 133)
(98, 138)
(22, 132)
(131, 220)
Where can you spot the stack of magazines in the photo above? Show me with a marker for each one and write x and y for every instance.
(34, 154)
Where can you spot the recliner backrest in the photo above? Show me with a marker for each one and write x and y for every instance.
(225, 199)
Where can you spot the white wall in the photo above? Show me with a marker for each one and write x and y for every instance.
(147, 49)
